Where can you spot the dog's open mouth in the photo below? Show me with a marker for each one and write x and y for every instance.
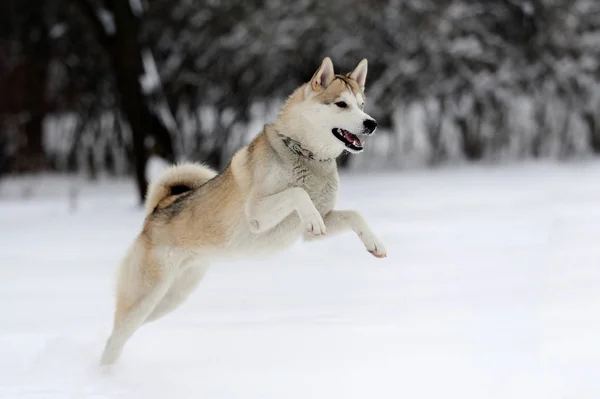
(350, 140)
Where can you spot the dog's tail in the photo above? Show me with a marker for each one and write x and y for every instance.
(175, 180)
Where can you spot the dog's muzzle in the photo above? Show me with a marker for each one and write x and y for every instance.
(369, 126)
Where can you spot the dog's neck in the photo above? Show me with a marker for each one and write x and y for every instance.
(297, 149)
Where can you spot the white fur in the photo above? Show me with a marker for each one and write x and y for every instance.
(314, 121)
(324, 75)
(360, 73)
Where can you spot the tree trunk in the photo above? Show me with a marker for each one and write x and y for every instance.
(593, 131)
(125, 52)
(126, 56)
(31, 156)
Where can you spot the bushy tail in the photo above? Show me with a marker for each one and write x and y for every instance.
(175, 180)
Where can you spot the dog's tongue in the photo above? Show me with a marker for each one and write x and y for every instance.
(352, 138)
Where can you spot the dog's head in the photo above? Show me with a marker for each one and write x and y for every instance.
(329, 111)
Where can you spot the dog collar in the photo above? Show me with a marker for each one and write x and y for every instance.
(297, 149)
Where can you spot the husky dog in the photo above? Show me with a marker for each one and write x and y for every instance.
(280, 187)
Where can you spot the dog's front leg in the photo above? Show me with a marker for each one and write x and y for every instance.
(338, 222)
(267, 212)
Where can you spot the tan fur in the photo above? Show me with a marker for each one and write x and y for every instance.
(338, 86)
(185, 174)
(268, 197)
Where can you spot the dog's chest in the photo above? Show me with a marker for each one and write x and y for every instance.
(321, 185)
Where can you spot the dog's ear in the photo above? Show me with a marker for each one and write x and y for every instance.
(359, 74)
(324, 75)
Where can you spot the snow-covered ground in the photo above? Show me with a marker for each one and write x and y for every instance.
(491, 289)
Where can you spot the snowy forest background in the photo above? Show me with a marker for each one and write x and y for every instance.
(97, 87)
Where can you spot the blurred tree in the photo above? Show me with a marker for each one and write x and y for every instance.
(116, 26)
(23, 75)
(450, 79)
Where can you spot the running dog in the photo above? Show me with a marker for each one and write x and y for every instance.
(280, 187)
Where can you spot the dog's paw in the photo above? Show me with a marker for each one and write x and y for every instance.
(315, 224)
(379, 251)
(373, 244)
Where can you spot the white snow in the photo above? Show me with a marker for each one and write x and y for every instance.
(58, 30)
(137, 7)
(155, 167)
(108, 21)
(490, 290)
(150, 81)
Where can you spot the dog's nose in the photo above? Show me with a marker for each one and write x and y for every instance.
(370, 125)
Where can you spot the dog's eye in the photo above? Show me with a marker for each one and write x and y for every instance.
(341, 104)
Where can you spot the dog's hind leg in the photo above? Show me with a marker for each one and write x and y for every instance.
(181, 288)
(143, 282)
(129, 318)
